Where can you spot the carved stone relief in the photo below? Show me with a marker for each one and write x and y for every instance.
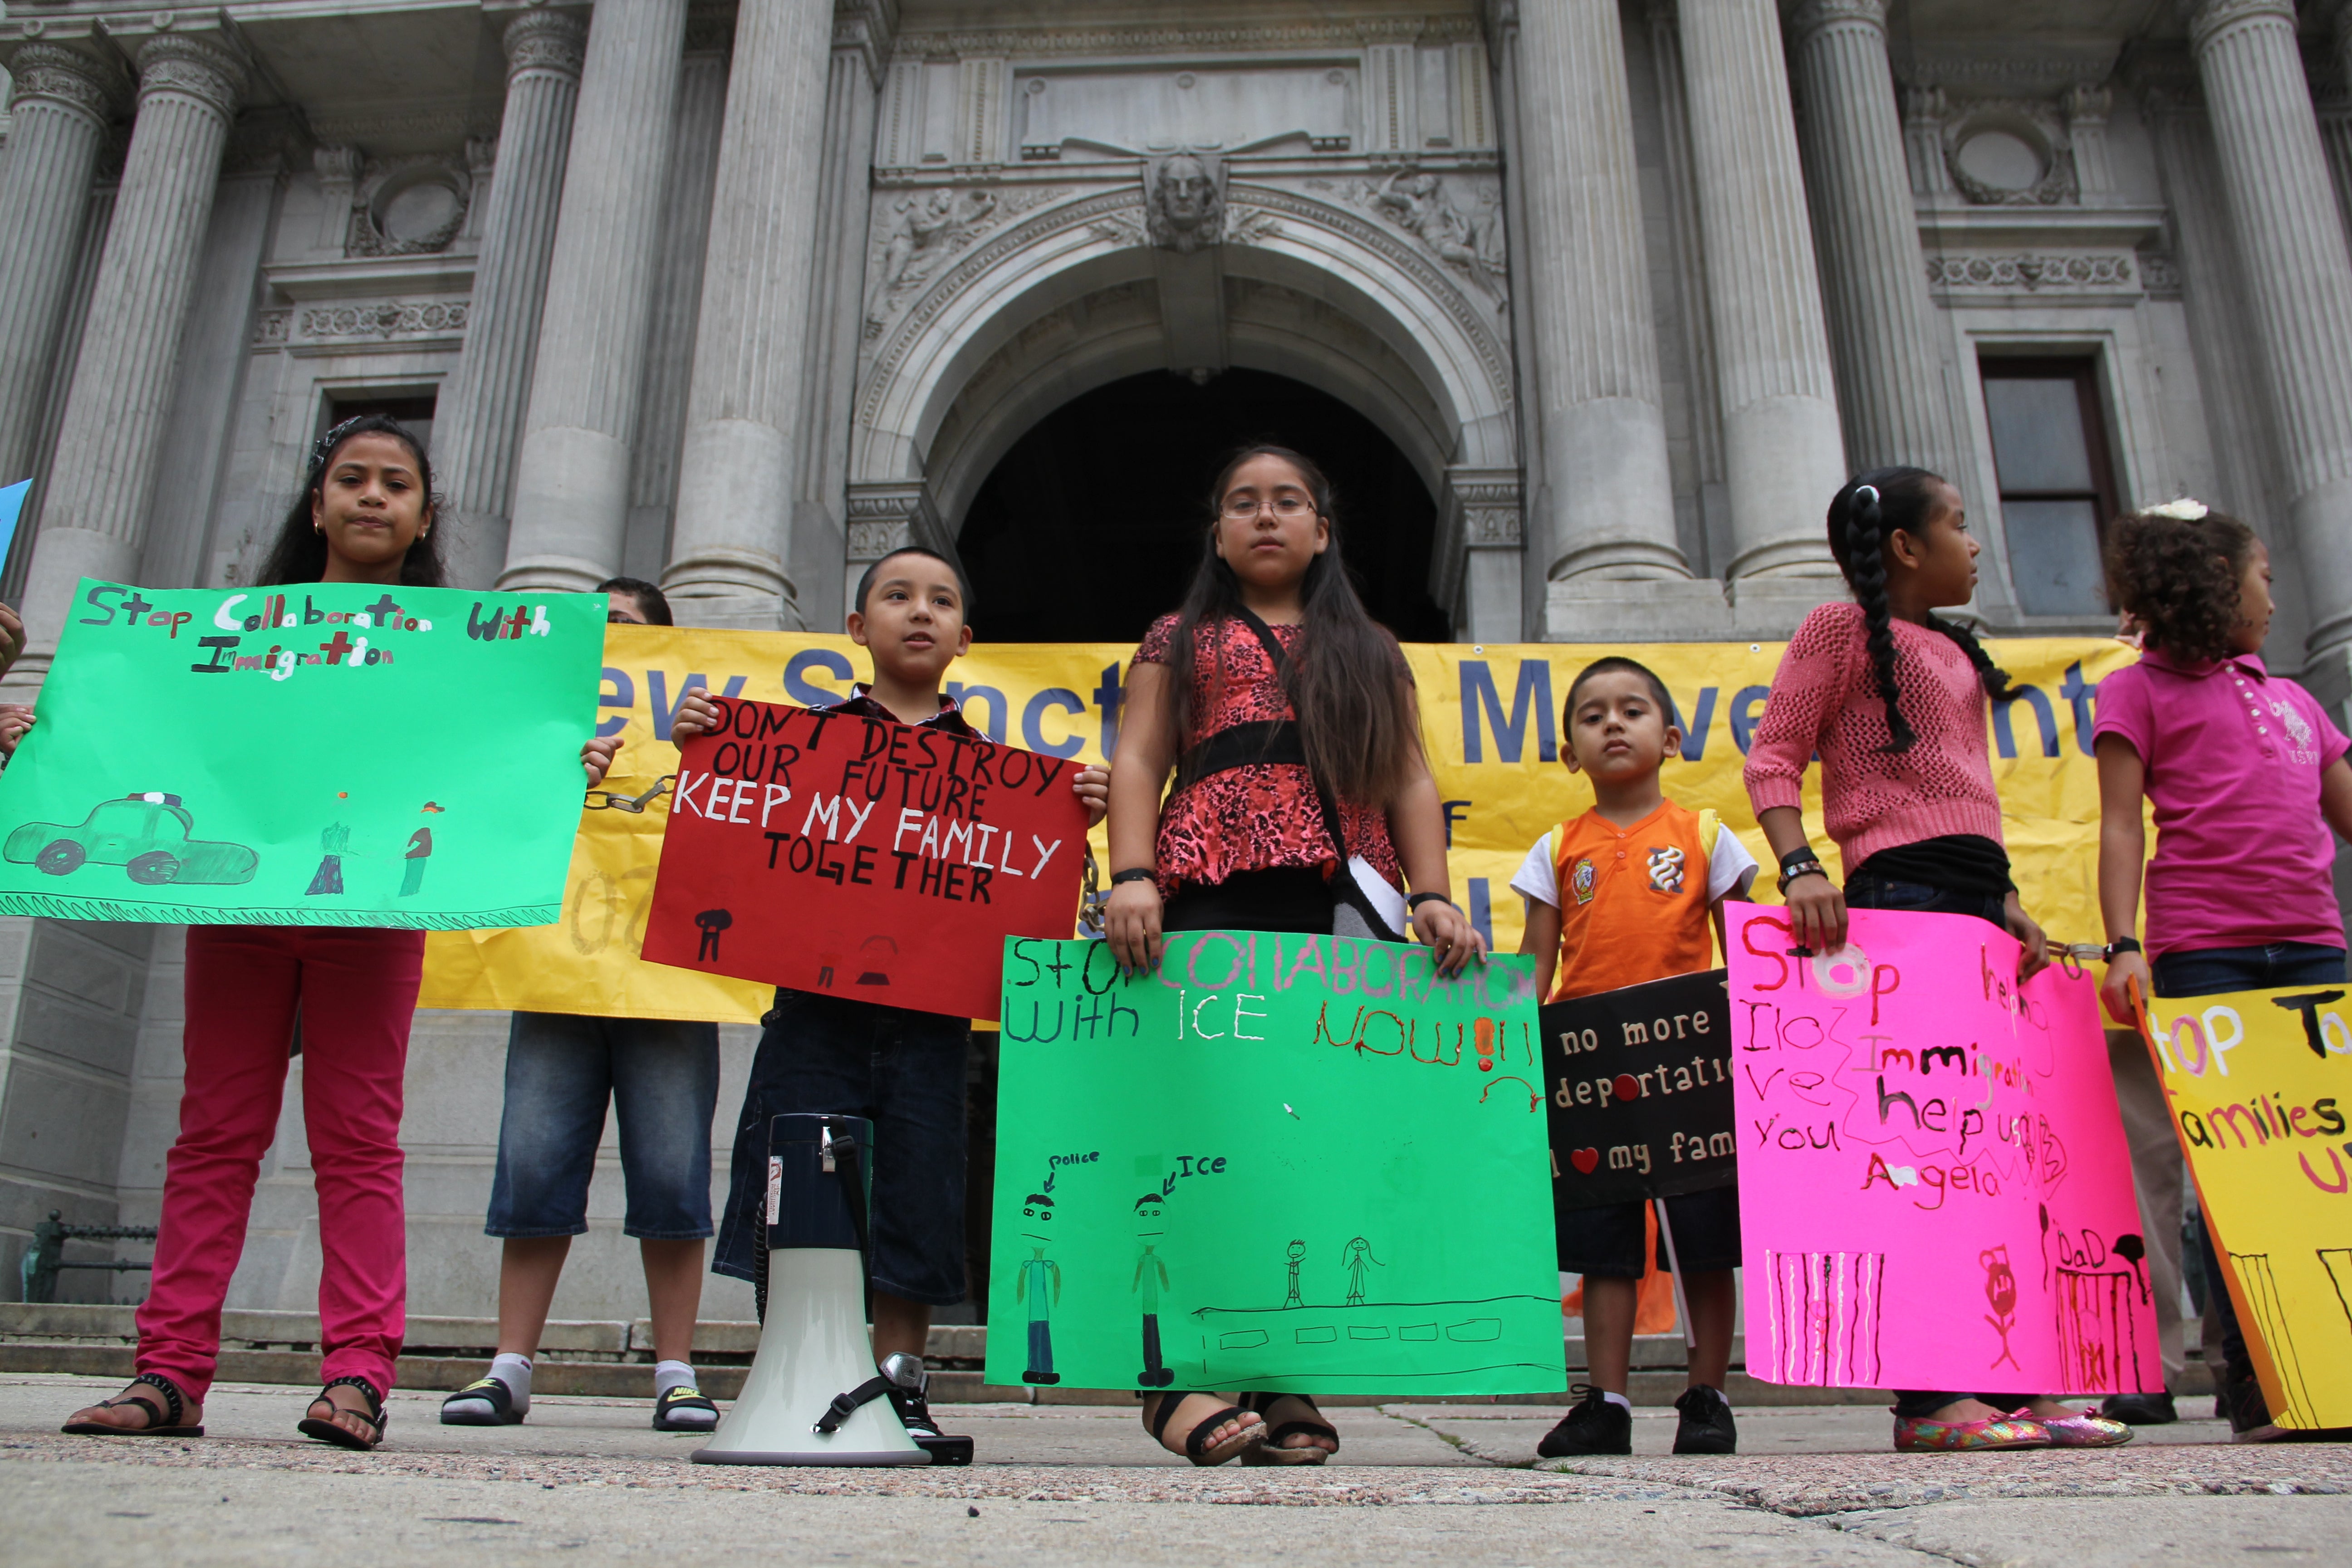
(411, 206)
(2032, 273)
(2010, 151)
(915, 233)
(361, 322)
(1184, 201)
(1456, 218)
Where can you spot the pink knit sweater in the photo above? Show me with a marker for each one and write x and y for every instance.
(1824, 699)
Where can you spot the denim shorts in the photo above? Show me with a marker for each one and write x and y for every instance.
(1606, 1242)
(662, 1077)
(902, 1071)
(2211, 971)
(1866, 890)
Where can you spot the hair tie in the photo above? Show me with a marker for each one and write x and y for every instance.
(2185, 509)
(1869, 491)
(326, 444)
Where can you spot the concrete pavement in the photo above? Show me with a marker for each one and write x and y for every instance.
(588, 1479)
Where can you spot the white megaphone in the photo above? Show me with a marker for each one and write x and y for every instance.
(813, 1396)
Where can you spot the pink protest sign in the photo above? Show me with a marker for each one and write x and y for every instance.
(1934, 1187)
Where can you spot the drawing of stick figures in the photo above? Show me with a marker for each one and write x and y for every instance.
(1039, 1275)
(1150, 1278)
(334, 843)
(420, 850)
(2001, 1290)
(1290, 1297)
(1357, 1254)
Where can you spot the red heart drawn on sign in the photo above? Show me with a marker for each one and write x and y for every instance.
(1584, 1160)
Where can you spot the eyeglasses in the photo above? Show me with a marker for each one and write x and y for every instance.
(1289, 509)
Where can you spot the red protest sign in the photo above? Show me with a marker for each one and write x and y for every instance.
(826, 851)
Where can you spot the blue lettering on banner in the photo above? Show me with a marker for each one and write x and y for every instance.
(1482, 911)
(1743, 717)
(1530, 699)
(1106, 698)
(797, 685)
(1693, 734)
(2005, 739)
(622, 695)
(969, 697)
(2081, 695)
(1033, 726)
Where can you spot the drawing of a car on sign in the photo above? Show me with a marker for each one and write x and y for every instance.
(145, 834)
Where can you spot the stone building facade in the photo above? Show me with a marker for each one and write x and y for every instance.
(737, 296)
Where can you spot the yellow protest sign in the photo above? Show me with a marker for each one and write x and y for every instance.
(2257, 1082)
(1490, 715)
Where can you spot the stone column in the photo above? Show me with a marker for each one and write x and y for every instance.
(1783, 458)
(478, 419)
(736, 486)
(572, 474)
(817, 554)
(102, 479)
(1610, 510)
(1889, 382)
(2297, 276)
(61, 103)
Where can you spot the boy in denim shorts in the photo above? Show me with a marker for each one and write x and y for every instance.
(902, 1069)
(661, 1076)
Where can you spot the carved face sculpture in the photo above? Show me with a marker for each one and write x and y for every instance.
(1185, 193)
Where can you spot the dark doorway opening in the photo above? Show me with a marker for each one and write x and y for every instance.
(1091, 525)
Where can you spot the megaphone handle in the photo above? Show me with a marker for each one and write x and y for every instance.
(845, 1406)
(852, 1171)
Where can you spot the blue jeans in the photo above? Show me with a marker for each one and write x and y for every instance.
(1866, 891)
(904, 1071)
(662, 1077)
(2209, 971)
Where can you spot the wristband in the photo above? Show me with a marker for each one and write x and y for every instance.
(1417, 900)
(1133, 874)
(1802, 855)
(2121, 945)
(1805, 868)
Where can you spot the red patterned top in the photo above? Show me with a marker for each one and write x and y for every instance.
(1263, 816)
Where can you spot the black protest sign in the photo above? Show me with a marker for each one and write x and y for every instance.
(1639, 1083)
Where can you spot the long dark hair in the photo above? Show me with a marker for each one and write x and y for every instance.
(1353, 719)
(2178, 577)
(1872, 506)
(300, 555)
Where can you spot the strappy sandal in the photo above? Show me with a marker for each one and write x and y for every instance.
(1196, 1441)
(670, 1402)
(1273, 1451)
(161, 1422)
(330, 1431)
(490, 1391)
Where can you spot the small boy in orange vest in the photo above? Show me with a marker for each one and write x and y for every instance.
(1631, 891)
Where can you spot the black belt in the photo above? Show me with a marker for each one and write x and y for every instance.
(1254, 744)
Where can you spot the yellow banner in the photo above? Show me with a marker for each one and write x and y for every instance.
(2258, 1083)
(1490, 714)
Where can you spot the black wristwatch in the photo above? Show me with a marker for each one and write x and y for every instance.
(1132, 874)
(2122, 944)
(1417, 900)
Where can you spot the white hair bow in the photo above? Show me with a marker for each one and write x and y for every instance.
(2185, 509)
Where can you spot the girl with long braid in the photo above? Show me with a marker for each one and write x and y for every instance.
(1894, 699)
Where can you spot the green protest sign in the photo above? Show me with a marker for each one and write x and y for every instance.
(1283, 1161)
(319, 754)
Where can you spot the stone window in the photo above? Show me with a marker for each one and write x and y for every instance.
(2057, 486)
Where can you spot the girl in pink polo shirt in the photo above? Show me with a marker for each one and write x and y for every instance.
(2247, 774)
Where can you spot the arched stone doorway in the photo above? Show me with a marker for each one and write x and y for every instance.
(1090, 525)
(994, 309)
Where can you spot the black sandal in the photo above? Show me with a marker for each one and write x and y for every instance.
(1196, 1441)
(161, 1422)
(330, 1431)
(1273, 1451)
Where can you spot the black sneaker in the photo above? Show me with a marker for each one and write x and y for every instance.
(2140, 1409)
(914, 1409)
(1594, 1427)
(2240, 1402)
(1706, 1426)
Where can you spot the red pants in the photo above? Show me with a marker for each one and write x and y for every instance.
(356, 987)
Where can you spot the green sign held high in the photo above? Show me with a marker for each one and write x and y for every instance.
(1284, 1161)
(316, 754)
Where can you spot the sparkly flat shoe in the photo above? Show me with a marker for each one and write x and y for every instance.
(2085, 1429)
(1918, 1435)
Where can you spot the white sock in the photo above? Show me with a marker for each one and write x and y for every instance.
(669, 1375)
(1619, 1400)
(514, 1371)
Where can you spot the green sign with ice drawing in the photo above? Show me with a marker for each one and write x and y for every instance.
(316, 754)
(1283, 1161)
